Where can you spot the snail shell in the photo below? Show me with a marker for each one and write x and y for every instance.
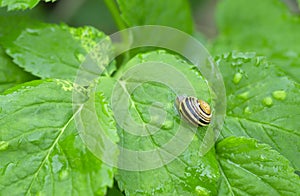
(194, 110)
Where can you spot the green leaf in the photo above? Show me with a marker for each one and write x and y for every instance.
(13, 25)
(189, 174)
(40, 149)
(152, 106)
(172, 13)
(266, 27)
(11, 74)
(250, 168)
(97, 127)
(262, 103)
(59, 51)
(21, 5)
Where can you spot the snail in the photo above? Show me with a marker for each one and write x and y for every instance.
(194, 110)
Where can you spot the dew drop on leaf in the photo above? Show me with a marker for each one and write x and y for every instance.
(140, 191)
(237, 77)
(242, 55)
(267, 101)
(187, 174)
(33, 31)
(168, 124)
(3, 145)
(259, 60)
(237, 62)
(280, 95)
(202, 191)
(247, 110)
(243, 95)
(63, 174)
(262, 157)
(79, 56)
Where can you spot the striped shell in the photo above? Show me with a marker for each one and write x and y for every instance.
(194, 110)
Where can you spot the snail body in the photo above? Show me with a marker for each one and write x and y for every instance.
(195, 111)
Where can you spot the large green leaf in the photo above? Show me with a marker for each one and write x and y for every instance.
(20, 5)
(151, 104)
(41, 151)
(250, 168)
(56, 51)
(262, 103)
(11, 74)
(266, 27)
(173, 13)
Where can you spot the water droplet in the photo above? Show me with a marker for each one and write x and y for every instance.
(63, 174)
(226, 55)
(202, 191)
(267, 101)
(168, 124)
(262, 157)
(3, 145)
(80, 57)
(247, 110)
(237, 62)
(187, 174)
(141, 191)
(243, 55)
(280, 95)
(237, 78)
(244, 95)
(259, 59)
(33, 31)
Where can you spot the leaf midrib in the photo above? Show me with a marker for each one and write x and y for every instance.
(152, 139)
(51, 149)
(225, 178)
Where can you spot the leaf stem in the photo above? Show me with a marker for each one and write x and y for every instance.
(115, 13)
(113, 8)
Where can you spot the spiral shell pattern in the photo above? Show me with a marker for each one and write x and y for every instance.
(194, 110)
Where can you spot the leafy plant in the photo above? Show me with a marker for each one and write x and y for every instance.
(46, 114)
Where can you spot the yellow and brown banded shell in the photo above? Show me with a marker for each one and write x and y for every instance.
(194, 110)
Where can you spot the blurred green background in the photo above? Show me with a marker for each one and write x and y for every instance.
(95, 13)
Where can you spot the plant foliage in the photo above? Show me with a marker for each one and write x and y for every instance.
(43, 152)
